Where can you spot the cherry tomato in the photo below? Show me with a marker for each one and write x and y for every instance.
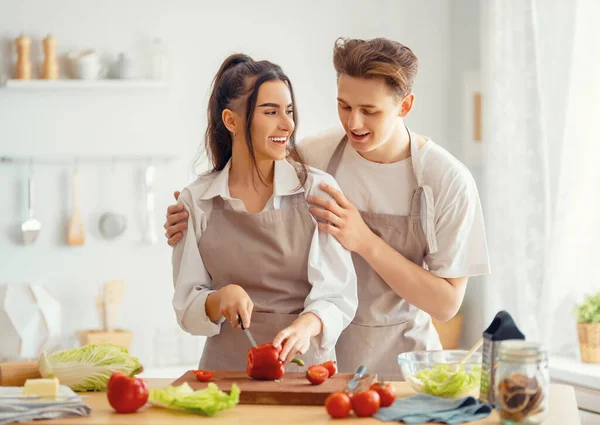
(317, 374)
(365, 403)
(203, 375)
(387, 393)
(331, 367)
(338, 405)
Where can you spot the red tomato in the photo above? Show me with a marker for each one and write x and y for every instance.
(365, 403)
(331, 367)
(338, 405)
(317, 374)
(203, 375)
(387, 393)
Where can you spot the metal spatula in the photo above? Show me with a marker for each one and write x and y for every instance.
(30, 227)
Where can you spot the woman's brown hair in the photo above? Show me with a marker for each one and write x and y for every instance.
(377, 58)
(239, 80)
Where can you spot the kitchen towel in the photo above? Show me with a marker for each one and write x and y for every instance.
(15, 412)
(15, 408)
(423, 408)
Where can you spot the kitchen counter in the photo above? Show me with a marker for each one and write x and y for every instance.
(563, 410)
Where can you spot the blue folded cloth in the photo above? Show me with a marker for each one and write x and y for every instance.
(423, 408)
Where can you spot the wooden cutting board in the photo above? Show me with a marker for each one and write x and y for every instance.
(292, 389)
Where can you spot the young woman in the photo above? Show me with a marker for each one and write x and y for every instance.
(252, 250)
(410, 212)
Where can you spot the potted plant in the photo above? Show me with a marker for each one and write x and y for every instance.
(588, 328)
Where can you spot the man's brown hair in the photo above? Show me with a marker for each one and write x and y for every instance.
(377, 58)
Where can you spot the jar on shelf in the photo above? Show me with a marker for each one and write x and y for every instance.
(522, 382)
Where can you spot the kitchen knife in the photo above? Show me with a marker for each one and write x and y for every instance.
(356, 378)
(247, 331)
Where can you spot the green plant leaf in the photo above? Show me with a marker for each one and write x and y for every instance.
(589, 310)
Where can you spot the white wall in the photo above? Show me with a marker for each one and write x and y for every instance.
(465, 58)
(298, 36)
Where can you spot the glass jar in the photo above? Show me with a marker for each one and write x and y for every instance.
(522, 382)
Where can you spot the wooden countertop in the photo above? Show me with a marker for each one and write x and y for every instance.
(563, 410)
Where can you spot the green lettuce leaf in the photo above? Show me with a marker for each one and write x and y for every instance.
(166, 397)
(443, 381)
(208, 401)
(88, 368)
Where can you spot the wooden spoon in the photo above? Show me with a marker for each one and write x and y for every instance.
(471, 351)
(75, 235)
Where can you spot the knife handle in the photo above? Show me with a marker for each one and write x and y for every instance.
(241, 323)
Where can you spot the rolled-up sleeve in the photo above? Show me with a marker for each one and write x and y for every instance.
(190, 278)
(333, 297)
(460, 232)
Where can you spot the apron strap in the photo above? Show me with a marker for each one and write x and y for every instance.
(218, 203)
(426, 199)
(298, 198)
(334, 162)
(429, 212)
(415, 207)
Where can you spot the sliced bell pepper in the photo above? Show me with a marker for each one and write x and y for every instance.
(203, 375)
(263, 363)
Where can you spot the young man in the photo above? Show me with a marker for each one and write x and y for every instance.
(408, 210)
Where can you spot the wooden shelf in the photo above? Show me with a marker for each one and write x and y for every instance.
(105, 84)
(149, 159)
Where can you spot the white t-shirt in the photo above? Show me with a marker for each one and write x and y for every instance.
(388, 188)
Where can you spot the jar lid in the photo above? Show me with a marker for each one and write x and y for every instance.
(521, 350)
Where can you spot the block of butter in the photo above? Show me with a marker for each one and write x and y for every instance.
(41, 387)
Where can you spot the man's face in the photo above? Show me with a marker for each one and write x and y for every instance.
(368, 110)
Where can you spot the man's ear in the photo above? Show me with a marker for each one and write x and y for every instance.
(230, 120)
(407, 104)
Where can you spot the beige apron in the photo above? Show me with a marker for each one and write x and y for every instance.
(267, 255)
(385, 325)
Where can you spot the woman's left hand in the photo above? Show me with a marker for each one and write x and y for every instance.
(344, 220)
(295, 339)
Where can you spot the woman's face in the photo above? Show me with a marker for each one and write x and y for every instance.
(272, 121)
(368, 110)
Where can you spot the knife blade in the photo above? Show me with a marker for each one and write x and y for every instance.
(360, 372)
(247, 332)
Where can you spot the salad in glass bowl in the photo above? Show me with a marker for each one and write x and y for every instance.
(441, 373)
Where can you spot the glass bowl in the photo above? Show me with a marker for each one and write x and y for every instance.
(448, 379)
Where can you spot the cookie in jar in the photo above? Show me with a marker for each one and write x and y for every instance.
(522, 383)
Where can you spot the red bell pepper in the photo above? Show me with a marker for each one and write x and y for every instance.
(126, 394)
(203, 375)
(264, 363)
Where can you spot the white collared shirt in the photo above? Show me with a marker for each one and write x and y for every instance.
(333, 297)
